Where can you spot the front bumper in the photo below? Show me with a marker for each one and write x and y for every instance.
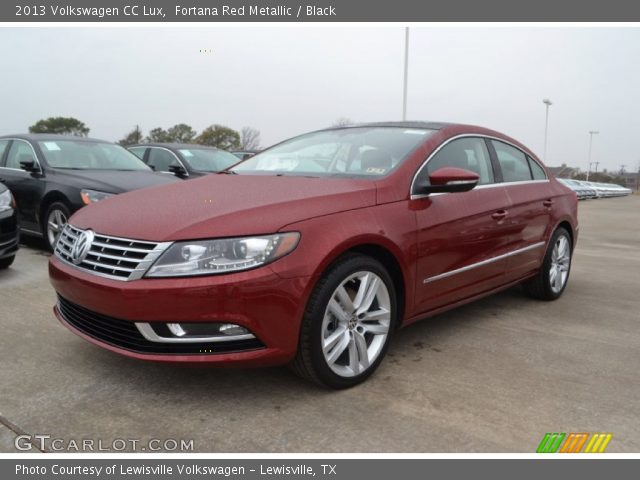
(9, 236)
(269, 306)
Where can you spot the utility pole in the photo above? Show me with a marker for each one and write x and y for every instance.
(591, 134)
(548, 103)
(622, 169)
(406, 73)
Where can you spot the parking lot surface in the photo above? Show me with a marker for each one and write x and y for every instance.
(492, 376)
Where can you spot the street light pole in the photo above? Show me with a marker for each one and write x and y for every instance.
(548, 103)
(591, 134)
(406, 73)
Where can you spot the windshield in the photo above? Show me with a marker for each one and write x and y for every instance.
(348, 152)
(84, 155)
(208, 159)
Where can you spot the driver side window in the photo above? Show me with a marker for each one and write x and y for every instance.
(160, 159)
(467, 153)
(19, 152)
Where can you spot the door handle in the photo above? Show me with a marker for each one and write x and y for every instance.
(2, 180)
(548, 203)
(499, 215)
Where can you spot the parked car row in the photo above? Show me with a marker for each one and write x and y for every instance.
(585, 190)
(52, 176)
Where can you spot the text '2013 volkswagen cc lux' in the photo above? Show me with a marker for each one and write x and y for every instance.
(313, 252)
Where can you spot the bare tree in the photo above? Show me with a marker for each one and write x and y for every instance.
(249, 138)
(342, 122)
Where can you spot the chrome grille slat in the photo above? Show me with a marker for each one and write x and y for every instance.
(116, 258)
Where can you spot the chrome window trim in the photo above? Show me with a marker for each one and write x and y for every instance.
(35, 155)
(172, 153)
(147, 332)
(482, 263)
(414, 196)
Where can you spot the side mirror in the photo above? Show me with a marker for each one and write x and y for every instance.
(178, 171)
(29, 166)
(449, 180)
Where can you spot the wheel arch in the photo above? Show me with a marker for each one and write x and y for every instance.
(384, 251)
(50, 198)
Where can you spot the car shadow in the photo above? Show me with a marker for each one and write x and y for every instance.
(228, 382)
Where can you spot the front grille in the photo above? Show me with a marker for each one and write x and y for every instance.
(124, 334)
(112, 257)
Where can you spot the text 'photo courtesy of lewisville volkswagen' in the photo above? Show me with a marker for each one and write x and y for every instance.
(324, 246)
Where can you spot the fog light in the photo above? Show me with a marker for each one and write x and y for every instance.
(176, 329)
(232, 329)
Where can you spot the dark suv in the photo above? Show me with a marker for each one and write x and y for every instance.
(52, 176)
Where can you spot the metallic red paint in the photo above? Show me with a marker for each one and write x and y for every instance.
(424, 238)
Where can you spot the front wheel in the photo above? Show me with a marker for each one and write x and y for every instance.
(56, 218)
(552, 278)
(348, 323)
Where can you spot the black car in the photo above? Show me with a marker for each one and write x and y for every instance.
(52, 176)
(182, 159)
(8, 228)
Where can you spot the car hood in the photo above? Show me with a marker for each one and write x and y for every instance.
(223, 206)
(113, 181)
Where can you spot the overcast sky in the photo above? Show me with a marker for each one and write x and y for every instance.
(285, 81)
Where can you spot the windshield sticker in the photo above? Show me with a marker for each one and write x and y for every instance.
(186, 153)
(52, 146)
(416, 132)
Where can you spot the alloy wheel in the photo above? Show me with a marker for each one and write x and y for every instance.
(356, 324)
(55, 224)
(560, 262)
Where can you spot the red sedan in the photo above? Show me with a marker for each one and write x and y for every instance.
(313, 252)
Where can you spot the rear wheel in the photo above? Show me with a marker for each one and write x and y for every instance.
(6, 262)
(348, 323)
(56, 217)
(554, 273)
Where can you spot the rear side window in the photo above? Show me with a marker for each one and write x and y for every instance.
(536, 170)
(513, 163)
(138, 151)
(467, 153)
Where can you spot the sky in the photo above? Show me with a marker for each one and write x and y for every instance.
(289, 80)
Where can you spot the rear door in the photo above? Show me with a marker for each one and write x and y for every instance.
(529, 192)
(462, 237)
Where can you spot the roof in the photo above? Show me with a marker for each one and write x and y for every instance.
(35, 137)
(175, 146)
(405, 124)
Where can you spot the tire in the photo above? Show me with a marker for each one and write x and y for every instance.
(354, 340)
(6, 262)
(553, 276)
(59, 214)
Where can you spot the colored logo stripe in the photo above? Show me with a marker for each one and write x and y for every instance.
(573, 442)
(550, 443)
(598, 443)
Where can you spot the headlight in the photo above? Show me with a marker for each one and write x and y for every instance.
(210, 257)
(91, 196)
(6, 201)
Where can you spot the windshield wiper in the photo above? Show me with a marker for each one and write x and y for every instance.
(227, 172)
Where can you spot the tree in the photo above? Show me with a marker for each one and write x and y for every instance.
(61, 126)
(133, 137)
(342, 122)
(181, 133)
(219, 136)
(158, 135)
(249, 138)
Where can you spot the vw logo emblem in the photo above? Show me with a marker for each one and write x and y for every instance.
(82, 246)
